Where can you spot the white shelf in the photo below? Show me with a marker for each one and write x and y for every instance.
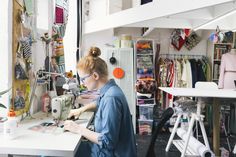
(148, 54)
(222, 43)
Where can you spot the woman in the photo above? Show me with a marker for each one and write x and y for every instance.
(114, 134)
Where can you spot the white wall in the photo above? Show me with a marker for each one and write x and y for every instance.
(97, 9)
(42, 13)
(6, 50)
(98, 39)
(161, 36)
(70, 39)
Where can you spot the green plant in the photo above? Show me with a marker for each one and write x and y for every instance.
(2, 93)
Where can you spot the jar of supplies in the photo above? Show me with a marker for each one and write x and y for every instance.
(125, 41)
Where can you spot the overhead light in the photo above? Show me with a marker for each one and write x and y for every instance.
(234, 30)
(220, 17)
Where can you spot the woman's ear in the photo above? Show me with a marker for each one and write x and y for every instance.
(95, 75)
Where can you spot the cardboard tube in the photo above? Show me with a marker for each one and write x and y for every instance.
(197, 146)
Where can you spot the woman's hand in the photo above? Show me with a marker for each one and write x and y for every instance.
(72, 127)
(76, 112)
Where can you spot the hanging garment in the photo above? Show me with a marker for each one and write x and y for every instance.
(193, 71)
(227, 71)
(187, 74)
(200, 73)
(178, 73)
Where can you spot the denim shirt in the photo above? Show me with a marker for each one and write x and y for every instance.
(114, 123)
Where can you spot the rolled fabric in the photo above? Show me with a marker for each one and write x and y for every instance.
(196, 145)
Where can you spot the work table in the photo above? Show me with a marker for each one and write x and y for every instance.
(29, 142)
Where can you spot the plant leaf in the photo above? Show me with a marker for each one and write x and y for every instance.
(3, 92)
(1, 105)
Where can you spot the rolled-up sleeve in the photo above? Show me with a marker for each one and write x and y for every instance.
(110, 121)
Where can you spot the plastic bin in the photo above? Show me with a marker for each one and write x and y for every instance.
(146, 101)
(146, 112)
(145, 127)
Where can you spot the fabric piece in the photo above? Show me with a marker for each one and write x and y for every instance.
(227, 71)
(146, 86)
(192, 41)
(26, 49)
(20, 73)
(59, 18)
(29, 6)
(177, 41)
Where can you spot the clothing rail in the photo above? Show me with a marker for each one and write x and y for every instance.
(181, 55)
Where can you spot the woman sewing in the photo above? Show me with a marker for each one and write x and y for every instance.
(113, 135)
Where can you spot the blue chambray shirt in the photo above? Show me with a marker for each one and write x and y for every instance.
(113, 121)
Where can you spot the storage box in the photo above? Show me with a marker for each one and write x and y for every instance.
(145, 127)
(146, 112)
(146, 101)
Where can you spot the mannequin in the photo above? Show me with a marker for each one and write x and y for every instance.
(228, 70)
(233, 51)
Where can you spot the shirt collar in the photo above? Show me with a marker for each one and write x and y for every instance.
(109, 84)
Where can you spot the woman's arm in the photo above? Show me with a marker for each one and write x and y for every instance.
(79, 111)
(75, 128)
(89, 107)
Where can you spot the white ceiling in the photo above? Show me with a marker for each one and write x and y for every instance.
(178, 14)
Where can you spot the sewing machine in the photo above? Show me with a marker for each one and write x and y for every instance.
(61, 106)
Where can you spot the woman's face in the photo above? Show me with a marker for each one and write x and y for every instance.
(89, 80)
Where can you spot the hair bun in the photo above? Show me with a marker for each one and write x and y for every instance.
(94, 52)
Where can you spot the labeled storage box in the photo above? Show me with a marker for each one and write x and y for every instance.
(145, 127)
(146, 101)
(146, 112)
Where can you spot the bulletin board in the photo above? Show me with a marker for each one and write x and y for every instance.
(20, 87)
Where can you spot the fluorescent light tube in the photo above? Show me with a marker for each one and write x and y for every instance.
(220, 17)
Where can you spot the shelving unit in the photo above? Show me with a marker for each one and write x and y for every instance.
(144, 58)
(218, 50)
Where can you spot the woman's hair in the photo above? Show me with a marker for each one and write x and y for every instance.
(93, 63)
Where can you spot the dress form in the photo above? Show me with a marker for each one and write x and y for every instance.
(228, 70)
(233, 51)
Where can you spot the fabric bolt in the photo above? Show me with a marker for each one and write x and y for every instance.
(227, 71)
(114, 123)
